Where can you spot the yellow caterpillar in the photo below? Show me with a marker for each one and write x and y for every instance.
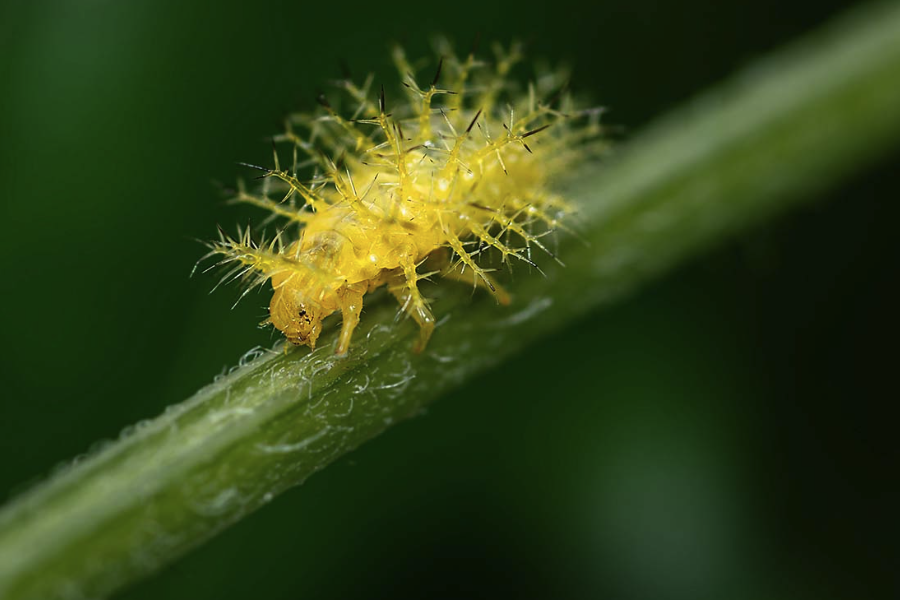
(442, 177)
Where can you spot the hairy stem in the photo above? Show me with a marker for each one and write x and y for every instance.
(752, 148)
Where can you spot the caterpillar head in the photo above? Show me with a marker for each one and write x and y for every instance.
(299, 319)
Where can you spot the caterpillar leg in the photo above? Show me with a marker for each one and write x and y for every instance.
(351, 302)
(407, 293)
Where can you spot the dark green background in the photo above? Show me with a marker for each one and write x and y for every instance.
(726, 433)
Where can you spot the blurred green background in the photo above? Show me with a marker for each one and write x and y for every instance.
(728, 432)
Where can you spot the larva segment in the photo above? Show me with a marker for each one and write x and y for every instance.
(454, 174)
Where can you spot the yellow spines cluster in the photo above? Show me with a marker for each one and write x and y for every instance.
(460, 167)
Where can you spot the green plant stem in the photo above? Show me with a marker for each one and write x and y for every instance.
(794, 125)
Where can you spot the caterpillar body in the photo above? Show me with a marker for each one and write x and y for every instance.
(431, 183)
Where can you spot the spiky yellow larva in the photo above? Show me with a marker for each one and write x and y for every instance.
(450, 173)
